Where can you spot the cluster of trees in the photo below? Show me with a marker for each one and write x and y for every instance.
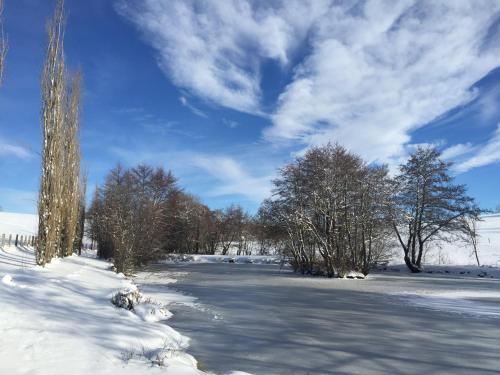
(334, 210)
(339, 214)
(140, 214)
(61, 198)
(331, 213)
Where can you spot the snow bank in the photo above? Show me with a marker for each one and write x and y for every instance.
(60, 317)
(464, 302)
(460, 253)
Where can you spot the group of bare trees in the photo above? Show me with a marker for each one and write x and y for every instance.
(332, 213)
(334, 210)
(61, 194)
(140, 214)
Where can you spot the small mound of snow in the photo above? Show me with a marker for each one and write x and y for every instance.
(126, 299)
(7, 280)
(151, 312)
(472, 303)
(354, 275)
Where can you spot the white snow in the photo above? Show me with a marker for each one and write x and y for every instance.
(257, 259)
(21, 224)
(459, 253)
(7, 280)
(60, 318)
(466, 302)
(152, 312)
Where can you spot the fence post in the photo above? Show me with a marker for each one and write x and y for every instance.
(17, 237)
(33, 241)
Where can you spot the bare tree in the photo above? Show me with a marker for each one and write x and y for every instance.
(81, 215)
(470, 234)
(3, 43)
(71, 166)
(428, 205)
(53, 97)
(59, 198)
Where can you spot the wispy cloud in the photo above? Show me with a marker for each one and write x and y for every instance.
(486, 154)
(9, 149)
(373, 72)
(185, 102)
(222, 173)
(457, 150)
(214, 48)
(233, 178)
(383, 69)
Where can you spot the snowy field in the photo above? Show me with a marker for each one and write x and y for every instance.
(266, 320)
(458, 253)
(21, 224)
(60, 319)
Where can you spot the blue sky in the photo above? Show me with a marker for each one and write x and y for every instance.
(225, 92)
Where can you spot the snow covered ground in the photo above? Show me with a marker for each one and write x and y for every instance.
(459, 253)
(59, 319)
(246, 313)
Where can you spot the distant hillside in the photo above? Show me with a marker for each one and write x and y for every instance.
(459, 253)
(14, 223)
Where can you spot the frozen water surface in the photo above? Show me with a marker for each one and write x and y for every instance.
(258, 319)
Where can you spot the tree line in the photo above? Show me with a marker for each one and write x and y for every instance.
(339, 214)
(330, 213)
(141, 214)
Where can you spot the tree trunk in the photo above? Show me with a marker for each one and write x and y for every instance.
(411, 266)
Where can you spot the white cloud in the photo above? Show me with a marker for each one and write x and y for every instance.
(214, 48)
(233, 179)
(8, 149)
(223, 174)
(373, 71)
(486, 154)
(378, 73)
(192, 108)
(457, 150)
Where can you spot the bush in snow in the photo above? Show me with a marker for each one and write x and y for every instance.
(126, 299)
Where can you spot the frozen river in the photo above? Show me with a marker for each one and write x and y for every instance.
(261, 320)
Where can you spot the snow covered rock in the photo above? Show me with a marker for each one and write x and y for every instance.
(354, 275)
(126, 299)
